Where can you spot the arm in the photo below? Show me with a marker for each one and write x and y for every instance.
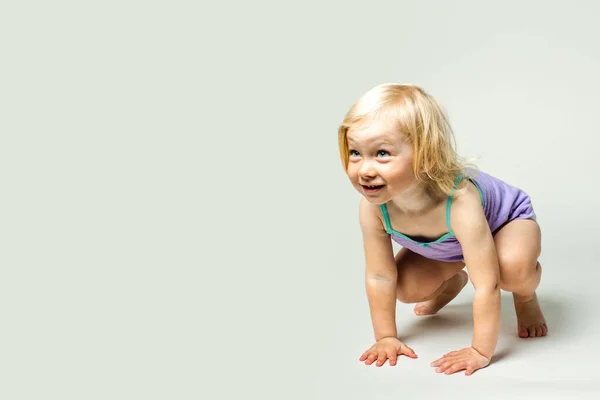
(381, 273)
(472, 231)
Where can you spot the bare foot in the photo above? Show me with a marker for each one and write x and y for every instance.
(455, 285)
(530, 320)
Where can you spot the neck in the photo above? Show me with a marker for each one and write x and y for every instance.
(417, 199)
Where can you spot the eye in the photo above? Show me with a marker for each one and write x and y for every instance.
(353, 153)
(383, 153)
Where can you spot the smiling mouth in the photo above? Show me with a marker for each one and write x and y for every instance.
(372, 188)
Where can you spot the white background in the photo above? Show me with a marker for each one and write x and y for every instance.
(176, 223)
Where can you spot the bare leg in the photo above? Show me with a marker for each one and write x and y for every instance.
(449, 290)
(518, 245)
(430, 283)
(530, 319)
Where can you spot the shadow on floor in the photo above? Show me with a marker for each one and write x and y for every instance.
(458, 319)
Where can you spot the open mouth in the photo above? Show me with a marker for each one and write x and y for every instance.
(372, 188)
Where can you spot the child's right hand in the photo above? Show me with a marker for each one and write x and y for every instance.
(386, 348)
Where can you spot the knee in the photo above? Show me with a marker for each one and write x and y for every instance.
(518, 272)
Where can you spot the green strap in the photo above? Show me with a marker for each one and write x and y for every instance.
(386, 218)
(449, 203)
(390, 230)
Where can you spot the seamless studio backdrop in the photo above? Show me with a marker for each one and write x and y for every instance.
(176, 222)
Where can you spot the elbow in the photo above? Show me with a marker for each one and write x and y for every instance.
(378, 278)
(382, 277)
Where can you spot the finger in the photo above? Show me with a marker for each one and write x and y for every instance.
(445, 360)
(393, 358)
(381, 358)
(443, 366)
(372, 357)
(452, 361)
(470, 370)
(365, 355)
(455, 367)
(437, 362)
(409, 352)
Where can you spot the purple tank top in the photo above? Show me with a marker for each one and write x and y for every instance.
(501, 203)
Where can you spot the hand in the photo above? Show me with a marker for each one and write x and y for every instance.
(469, 359)
(388, 347)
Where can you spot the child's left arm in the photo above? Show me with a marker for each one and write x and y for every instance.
(472, 231)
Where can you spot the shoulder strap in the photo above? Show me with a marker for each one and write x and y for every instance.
(386, 218)
(449, 203)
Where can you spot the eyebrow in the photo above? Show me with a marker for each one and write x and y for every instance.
(377, 142)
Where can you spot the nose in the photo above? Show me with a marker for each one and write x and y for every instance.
(366, 170)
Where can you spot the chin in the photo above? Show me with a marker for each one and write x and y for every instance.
(374, 199)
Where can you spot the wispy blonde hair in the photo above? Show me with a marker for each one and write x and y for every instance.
(424, 123)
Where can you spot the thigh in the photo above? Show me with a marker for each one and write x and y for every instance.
(518, 245)
(418, 275)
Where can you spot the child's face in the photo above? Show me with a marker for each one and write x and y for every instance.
(380, 156)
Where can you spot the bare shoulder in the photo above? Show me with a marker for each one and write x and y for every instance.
(371, 220)
(471, 228)
(467, 216)
(379, 253)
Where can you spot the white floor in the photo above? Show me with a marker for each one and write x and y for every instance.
(560, 365)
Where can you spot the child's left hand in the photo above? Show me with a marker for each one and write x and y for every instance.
(469, 359)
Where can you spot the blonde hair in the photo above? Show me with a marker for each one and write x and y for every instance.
(424, 123)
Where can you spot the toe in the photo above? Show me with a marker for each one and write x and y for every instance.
(538, 331)
(423, 310)
(523, 333)
(531, 330)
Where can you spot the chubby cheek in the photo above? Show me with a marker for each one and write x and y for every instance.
(399, 171)
(352, 174)
(402, 184)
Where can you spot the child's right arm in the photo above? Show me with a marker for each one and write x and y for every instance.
(381, 283)
(381, 273)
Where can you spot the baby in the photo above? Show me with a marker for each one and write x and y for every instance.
(397, 148)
